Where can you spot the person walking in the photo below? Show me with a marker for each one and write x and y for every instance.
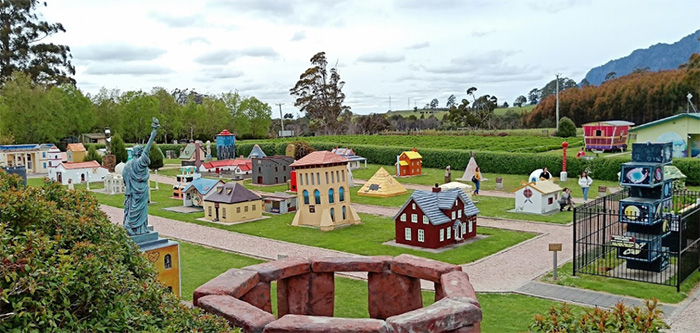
(585, 182)
(477, 180)
(565, 200)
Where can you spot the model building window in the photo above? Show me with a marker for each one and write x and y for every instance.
(209, 211)
(407, 234)
(344, 216)
(449, 232)
(238, 210)
(318, 178)
(454, 215)
(306, 197)
(413, 206)
(307, 178)
(168, 261)
(550, 200)
(332, 214)
(459, 214)
(223, 212)
(254, 207)
(421, 235)
(313, 181)
(276, 170)
(343, 174)
(327, 182)
(403, 217)
(331, 198)
(425, 219)
(245, 209)
(332, 177)
(317, 196)
(341, 194)
(442, 235)
(470, 226)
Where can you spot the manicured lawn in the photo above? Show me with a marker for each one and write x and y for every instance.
(499, 207)
(199, 264)
(396, 201)
(502, 312)
(267, 188)
(642, 290)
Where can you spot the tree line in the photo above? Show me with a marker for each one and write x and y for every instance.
(32, 112)
(639, 97)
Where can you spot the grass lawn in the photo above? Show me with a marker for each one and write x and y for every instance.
(502, 312)
(499, 207)
(267, 188)
(642, 290)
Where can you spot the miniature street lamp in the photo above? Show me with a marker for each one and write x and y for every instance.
(563, 176)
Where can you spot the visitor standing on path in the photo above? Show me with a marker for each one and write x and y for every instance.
(585, 182)
(477, 180)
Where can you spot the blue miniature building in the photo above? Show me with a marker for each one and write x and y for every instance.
(225, 146)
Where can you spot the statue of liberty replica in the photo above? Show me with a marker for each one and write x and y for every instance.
(163, 253)
(136, 177)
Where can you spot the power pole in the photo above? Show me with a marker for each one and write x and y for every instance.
(558, 102)
(389, 102)
(281, 116)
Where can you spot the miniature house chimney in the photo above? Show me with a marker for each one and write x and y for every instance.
(436, 189)
(414, 149)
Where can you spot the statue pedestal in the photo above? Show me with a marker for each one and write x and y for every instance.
(164, 254)
(109, 162)
(563, 176)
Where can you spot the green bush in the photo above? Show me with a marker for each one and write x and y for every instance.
(119, 149)
(620, 319)
(156, 157)
(66, 268)
(92, 155)
(567, 128)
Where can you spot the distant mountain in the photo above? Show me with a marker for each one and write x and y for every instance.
(657, 57)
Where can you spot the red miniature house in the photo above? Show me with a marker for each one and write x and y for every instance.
(607, 135)
(436, 219)
(409, 163)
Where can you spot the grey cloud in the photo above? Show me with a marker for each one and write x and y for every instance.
(127, 69)
(381, 58)
(556, 6)
(299, 35)
(218, 74)
(197, 39)
(273, 7)
(429, 5)
(225, 56)
(480, 33)
(417, 46)
(306, 12)
(117, 52)
(175, 21)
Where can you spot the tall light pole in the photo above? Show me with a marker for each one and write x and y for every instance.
(281, 117)
(558, 102)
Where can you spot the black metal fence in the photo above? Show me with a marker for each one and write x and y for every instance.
(605, 246)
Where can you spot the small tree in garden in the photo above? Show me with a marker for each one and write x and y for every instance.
(621, 319)
(93, 155)
(303, 148)
(156, 156)
(119, 149)
(567, 128)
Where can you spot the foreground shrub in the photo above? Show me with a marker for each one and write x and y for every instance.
(621, 319)
(66, 268)
(567, 128)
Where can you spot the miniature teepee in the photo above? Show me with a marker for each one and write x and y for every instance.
(256, 152)
(469, 171)
(382, 185)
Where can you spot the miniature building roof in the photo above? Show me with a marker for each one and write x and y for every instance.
(348, 153)
(240, 162)
(671, 118)
(319, 158)
(278, 196)
(412, 155)
(203, 185)
(403, 163)
(672, 172)
(432, 204)
(230, 193)
(452, 185)
(276, 159)
(27, 147)
(80, 165)
(256, 152)
(382, 184)
(94, 135)
(544, 187)
(75, 147)
(225, 132)
(610, 123)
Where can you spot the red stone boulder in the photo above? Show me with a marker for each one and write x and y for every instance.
(280, 269)
(295, 323)
(237, 312)
(259, 297)
(443, 316)
(307, 294)
(349, 264)
(391, 294)
(421, 268)
(234, 282)
(456, 285)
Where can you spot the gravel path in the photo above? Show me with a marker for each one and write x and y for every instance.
(689, 319)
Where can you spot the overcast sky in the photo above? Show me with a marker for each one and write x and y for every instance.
(411, 50)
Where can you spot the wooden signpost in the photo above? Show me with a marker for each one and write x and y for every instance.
(554, 248)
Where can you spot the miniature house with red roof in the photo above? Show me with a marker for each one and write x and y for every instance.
(409, 163)
(437, 218)
(323, 194)
(78, 172)
(606, 135)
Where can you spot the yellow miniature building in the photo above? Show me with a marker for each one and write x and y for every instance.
(165, 256)
(36, 158)
(382, 185)
(232, 203)
(323, 196)
(76, 152)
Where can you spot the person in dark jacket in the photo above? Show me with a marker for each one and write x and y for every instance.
(565, 200)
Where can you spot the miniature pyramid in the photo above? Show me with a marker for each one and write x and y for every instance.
(256, 152)
(382, 185)
(469, 171)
